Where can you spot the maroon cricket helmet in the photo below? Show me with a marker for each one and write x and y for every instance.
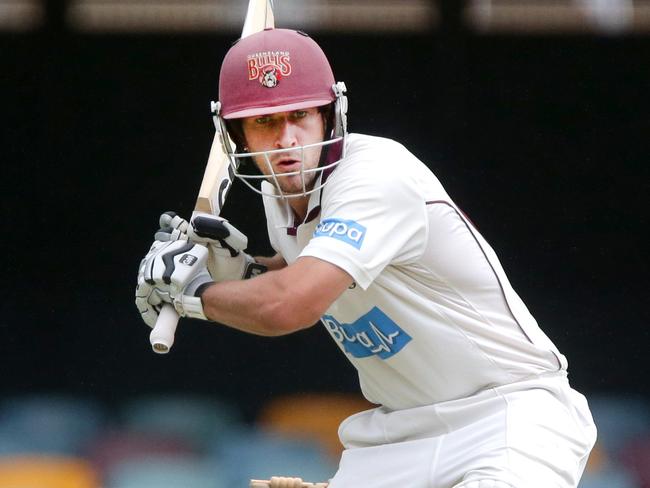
(275, 70)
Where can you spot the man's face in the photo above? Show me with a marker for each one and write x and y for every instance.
(286, 130)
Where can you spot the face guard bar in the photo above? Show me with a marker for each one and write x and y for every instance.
(272, 176)
(337, 143)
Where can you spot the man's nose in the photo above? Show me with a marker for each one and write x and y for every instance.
(287, 135)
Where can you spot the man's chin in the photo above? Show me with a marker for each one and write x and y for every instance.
(294, 192)
(294, 187)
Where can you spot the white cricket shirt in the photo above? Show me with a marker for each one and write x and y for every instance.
(432, 316)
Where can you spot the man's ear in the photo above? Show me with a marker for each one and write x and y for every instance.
(326, 113)
(236, 132)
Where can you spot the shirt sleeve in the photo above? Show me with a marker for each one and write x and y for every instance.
(370, 218)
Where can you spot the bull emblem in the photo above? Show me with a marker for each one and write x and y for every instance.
(270, 77)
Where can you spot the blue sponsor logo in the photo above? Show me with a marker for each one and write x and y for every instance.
(347, 231)
(373, 334)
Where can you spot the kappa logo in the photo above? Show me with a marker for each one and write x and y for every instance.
(188, 259)
(347, 231)
(268, 67)
(372, 334)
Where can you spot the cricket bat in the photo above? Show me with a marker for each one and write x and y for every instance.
(217, 179)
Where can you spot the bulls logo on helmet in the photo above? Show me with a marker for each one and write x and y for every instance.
(270, 77)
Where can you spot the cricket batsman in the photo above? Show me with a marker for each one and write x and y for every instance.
(470, 392)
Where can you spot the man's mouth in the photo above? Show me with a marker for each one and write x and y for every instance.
(288, 165)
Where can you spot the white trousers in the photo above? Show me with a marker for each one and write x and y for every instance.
(531, 434)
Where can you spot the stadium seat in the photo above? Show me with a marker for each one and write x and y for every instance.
(116, 447)
(635, 456)
(47, 472)
(619, 420)
(608, 478)
(313, 416)
(169, 472)
(605, 472)
(194, 419)
(48, 424)
(247, 453)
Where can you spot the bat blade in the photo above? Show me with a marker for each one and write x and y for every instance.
(217, 179)
(258, 17)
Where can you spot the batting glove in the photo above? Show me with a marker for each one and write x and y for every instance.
(227, 259)
(172, 272)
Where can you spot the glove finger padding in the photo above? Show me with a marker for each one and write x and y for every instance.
(205, 228)
(172, 227)
(165, 235)
(174, 264)
(172, 221)
(152, 260)
(148, 302)
(218, 232)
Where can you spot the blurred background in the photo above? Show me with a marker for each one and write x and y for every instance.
(533, 114)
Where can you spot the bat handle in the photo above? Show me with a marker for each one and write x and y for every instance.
(162, 335)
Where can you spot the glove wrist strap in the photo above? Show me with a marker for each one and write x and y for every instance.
(193, 308)
(190, 302)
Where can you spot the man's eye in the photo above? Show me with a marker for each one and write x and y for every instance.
(262, 120)
(299, 114)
